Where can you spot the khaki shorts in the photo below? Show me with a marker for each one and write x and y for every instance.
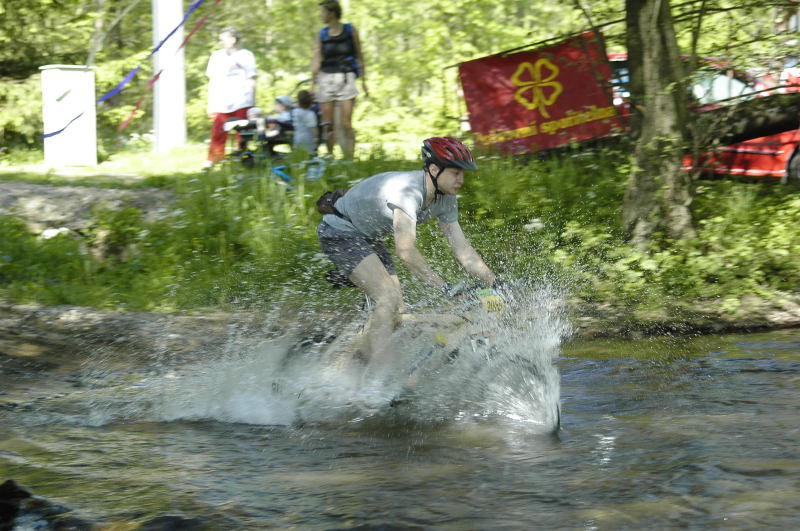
(336, 86)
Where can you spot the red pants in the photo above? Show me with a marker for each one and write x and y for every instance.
(216, 151)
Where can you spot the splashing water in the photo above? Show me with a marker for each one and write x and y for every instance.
(497, 367)
(509, 371)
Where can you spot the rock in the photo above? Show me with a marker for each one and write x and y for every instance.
(20, 509)
(11, 495)
(171, 523)
(68, 208)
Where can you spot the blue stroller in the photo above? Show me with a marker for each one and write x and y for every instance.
(260, 135)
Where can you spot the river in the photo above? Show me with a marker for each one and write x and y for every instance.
(698, 433)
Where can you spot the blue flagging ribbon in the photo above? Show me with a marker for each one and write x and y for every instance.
(182, 22)
(116, 90)
(54, 133)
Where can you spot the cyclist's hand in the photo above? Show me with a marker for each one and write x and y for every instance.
(454, 290)
(501, 285)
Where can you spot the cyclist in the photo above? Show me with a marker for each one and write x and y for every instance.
(395, 203)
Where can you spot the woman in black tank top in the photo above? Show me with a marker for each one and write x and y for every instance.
(338, 52)
(336, 64)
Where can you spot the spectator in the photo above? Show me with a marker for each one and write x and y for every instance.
(231, 75)
(305, 124)
(282, 111)
(336, 64)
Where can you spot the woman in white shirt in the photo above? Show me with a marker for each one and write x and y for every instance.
(231, 75)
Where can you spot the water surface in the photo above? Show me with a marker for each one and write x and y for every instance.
(704, 438)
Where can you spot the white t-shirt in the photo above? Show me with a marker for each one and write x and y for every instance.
(369, 205)
(229, 75)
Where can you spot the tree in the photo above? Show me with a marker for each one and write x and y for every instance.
(658, 195)
(407, 48)
(33, 34)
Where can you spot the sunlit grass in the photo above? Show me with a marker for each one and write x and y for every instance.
(239, 238)
(127, 168)
(182, 160)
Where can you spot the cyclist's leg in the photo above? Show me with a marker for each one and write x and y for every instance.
(371, 276)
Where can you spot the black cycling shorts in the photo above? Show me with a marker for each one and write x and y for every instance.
(347, 249)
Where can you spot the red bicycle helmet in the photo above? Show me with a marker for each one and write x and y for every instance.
(447, 152)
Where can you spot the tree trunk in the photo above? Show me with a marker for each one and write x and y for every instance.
(659, 193)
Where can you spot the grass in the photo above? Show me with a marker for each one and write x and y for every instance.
(239, 238)
(130, 168)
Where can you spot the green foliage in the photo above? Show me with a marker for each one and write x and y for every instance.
(232, 235)
(20, 110)
(53, 271)
(407, 48)
(240, 236)
(237, 238)
(745, 244)
(39, 33)
(750, 35)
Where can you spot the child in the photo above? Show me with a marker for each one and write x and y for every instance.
(305, 124)
(279, 124)
(283, 109)
(257, 120)
(252, 128)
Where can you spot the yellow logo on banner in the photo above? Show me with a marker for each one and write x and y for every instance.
(539, 90)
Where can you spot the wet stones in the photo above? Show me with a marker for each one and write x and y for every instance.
(171, 523)
(20, 509)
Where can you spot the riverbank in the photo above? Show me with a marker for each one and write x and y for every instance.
(30, 331)
(224, 240)
(46, 207)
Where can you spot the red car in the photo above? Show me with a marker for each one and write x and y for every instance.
(766, 156)
(776, 155)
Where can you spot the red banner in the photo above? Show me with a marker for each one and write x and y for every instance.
(540, 99)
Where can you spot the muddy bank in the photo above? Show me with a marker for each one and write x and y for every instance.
(44, 206)
(754, 314)
(31, 332)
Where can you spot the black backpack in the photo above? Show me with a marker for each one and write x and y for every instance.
(328, 199)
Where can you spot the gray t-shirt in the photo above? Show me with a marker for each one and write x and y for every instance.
(304, 121)
(369, 205)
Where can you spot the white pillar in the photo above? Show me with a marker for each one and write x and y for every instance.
(68, 101)
(169, 92)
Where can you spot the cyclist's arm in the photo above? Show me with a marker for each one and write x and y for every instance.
(464, 252)
(405, 242)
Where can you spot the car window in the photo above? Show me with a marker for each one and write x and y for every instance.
(620, 79)
(711, 87)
